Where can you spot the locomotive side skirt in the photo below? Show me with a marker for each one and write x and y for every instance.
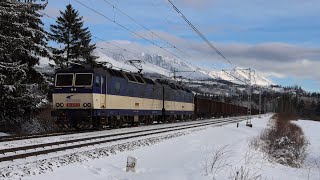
(120, 105)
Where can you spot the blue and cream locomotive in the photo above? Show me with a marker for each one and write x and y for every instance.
(86, 97)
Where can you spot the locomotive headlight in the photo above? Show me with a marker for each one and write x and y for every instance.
(89, 104)
(57, 105)
(61, 104)
(84, 104)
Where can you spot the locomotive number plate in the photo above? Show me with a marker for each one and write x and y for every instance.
(73, 104)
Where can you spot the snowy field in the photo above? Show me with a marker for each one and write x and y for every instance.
(185, 156)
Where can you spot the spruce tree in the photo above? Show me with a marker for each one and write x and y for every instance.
(23, 41)
(74, 39)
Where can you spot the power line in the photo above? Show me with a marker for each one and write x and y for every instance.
(198, 32)
(197, 68)
(124, 49)
(124, 27)
(156, 8)
(44, 14)
(121, 48)
(202, 36)
(144, 27)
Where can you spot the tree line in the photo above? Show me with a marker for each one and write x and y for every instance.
(298, 106)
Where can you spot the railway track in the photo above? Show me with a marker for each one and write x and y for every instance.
(40, 135)
(11, 154)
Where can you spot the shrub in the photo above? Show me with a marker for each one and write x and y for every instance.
(284, 142)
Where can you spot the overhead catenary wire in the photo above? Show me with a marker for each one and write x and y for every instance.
(131, 31)
(203, 37)
(156, 8)
(198, 32)
(124, 49)
(144, 27)
(108, 50)
(105, 41)
(196, 68)
(219, 53)
(126, 28)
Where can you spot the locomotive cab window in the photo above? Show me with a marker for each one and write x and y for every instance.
(83, 79)
(131, 77)
(64, 80)
(139, 79)
(97, 81)
(117, 88)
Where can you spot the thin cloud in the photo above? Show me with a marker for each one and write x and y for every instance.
(272, 59)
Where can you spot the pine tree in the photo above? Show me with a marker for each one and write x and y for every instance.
(23, 40)
(69, 32)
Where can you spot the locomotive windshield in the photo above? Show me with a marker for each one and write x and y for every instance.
(83, 79)
(64, 80)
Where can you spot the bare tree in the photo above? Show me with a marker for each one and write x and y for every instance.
(216, 161)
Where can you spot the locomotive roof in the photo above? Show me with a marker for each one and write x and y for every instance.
(123, 74)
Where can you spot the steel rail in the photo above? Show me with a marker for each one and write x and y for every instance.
(24, 148)
(164, 130)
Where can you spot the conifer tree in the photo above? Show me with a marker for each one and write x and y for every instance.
(74, 39)
(23, 41)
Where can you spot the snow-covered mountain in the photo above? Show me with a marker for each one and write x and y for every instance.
(155, 63)
(255, 78)
(163, 65)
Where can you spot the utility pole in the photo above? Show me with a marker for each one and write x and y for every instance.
(265, 105)
(260, 104)
(249, 100)
(247, 81)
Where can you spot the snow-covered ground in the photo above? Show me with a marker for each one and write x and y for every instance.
(184, 157)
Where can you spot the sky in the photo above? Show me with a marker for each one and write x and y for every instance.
(278, 39)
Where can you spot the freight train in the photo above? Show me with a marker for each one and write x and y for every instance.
(86, 97)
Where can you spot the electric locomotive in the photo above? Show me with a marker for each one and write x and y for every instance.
(86, 97)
